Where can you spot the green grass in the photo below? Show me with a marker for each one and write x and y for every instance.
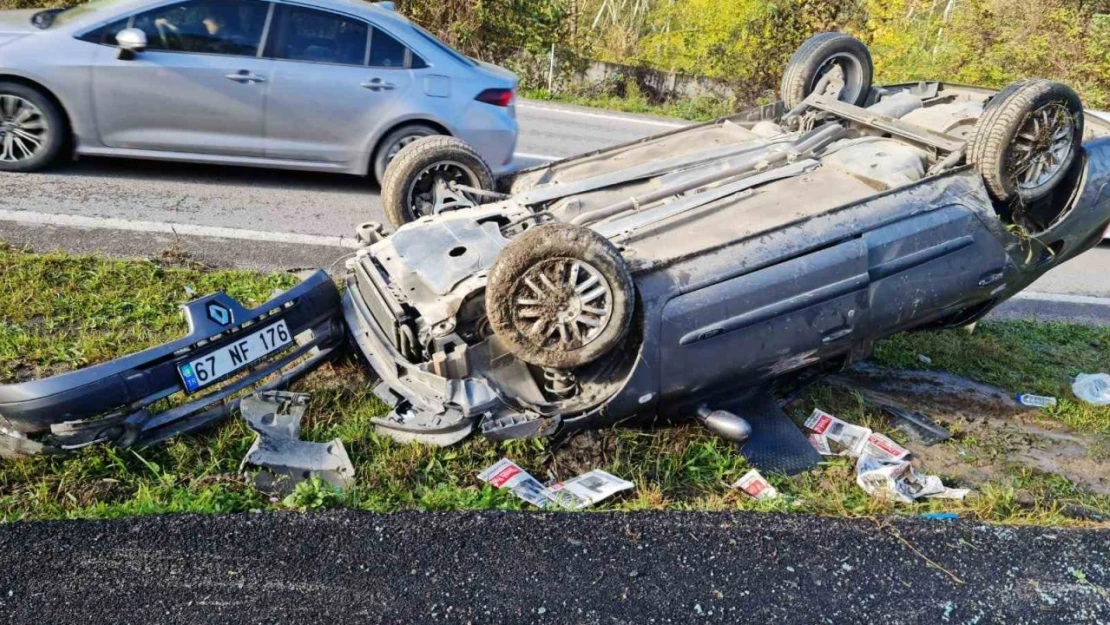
(1042, 358)
(60, 312)
(695, 109)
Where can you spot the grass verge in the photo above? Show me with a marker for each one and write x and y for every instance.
(60, 312)
(697, 109)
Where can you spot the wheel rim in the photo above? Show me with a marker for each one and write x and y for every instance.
(846, 75)
(23, 129)
(1042, 145)
(562, 304)
(400, 145)
(430, 192)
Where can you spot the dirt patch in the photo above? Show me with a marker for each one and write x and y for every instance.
(582, 453)
(992, 433)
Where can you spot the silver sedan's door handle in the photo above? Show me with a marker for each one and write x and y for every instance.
(377, 84)
(245, 76)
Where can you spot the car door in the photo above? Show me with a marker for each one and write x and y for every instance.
(199, 87)
(336, 78)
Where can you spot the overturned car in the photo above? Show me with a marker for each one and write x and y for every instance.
(658, 277)
(661, 277)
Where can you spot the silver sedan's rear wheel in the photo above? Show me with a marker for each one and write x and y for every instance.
(31, 129)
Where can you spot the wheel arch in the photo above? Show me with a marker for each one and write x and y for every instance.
(47, 93)
(376, 143)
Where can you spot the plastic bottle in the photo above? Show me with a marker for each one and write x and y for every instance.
(1035, 401)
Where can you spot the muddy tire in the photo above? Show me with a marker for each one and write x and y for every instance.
(409, 184)
(560, 296)
(821, 54)
(1027, 139)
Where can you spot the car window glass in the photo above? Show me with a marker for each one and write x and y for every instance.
(311, 35)
(417, 62)
(106, 34)
(385, 51)
(206, 26)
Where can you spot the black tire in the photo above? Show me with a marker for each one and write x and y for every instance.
(414, 164)
(556, 328)
(389, 147)
(53, 137)
(812, 60)
(1000, 155)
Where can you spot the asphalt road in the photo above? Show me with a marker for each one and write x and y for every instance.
(227, 216)
(505, 568)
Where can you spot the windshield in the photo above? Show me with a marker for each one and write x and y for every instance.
(46, 19)
(442, 46)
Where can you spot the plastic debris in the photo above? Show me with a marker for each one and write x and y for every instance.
(586, 490)
(917, 426)
(580, 492)
(279, 459)
(1093, 388)
(939, 516)
(925, 359)
(1035, 401)
(754, 484)
(898, 480)
(507, 474)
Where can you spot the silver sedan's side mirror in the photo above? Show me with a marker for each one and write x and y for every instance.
(131, 41)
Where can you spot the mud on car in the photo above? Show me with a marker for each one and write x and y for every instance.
(664, 277)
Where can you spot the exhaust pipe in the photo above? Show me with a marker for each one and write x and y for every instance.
(724, 424)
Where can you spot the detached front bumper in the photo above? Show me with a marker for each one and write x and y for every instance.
(110, 402)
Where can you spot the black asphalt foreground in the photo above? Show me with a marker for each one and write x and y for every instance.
(566, 568)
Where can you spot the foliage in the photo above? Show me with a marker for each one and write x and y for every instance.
(492, 30)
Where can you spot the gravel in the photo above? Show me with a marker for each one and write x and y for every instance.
(548, 568)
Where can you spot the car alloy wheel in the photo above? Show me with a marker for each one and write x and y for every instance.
(23, 129)
(562, 303)
(432, 190)
(1041, 146)
(400, 145)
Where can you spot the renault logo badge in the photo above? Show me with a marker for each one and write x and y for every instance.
(219, 313)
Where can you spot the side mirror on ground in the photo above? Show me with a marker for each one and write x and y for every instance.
(131, 41)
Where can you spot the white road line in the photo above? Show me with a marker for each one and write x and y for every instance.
(1063, 298)
(634, 120)
(542, 157)
(161, 227)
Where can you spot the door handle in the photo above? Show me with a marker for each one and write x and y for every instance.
(377, 84)
(245, 76)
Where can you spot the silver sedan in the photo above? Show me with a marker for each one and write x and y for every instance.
(324, 85)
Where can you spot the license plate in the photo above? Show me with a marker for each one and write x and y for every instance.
(230, 358)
